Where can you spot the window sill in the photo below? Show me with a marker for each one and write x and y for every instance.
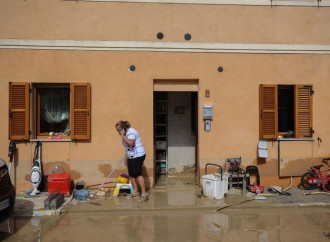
(51, 140)
(295, 139)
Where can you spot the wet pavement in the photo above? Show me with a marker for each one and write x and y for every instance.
(175, 212)
(268, 224)
(180, 193)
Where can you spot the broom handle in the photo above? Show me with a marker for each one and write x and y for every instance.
(100, 187)
(98, 184)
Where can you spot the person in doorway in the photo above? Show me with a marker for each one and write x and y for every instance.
(135, 157)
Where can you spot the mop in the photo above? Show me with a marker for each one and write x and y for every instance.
(94, 195)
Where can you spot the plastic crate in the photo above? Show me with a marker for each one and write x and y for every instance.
(60, 182)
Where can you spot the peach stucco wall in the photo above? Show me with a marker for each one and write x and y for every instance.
(52, 19)
(120, 94)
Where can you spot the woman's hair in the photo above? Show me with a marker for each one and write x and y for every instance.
(123, 124)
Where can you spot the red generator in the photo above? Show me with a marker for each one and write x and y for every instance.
(59, 182)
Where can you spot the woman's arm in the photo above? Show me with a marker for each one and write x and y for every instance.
(129, 142)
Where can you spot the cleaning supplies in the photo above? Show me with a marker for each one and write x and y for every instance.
(80, 185)
(36, 172)
(106, 179)
(121, 179)
(81, 194)
(116, 191)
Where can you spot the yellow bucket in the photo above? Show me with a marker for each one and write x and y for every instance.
(122, 180)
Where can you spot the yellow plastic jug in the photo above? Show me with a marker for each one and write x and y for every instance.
(122, 180)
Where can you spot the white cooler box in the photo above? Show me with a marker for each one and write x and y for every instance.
(213, 186)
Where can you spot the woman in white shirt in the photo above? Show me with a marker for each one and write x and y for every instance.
(135, 157)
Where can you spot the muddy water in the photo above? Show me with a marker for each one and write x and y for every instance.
(289, 224)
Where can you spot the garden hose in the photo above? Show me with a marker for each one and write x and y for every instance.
(264, 194)
(287, 188)
(313, 193)
(258, 195)
(261, 194)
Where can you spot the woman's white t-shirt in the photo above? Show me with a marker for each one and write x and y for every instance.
(137, 150)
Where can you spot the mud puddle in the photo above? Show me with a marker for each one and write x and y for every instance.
(288, 224)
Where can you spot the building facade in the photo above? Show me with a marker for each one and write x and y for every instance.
(262, 69)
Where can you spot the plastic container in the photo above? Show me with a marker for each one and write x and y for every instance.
(224, 184)
(60, 182)
(213, 186)
(122, 180)
(80, 185)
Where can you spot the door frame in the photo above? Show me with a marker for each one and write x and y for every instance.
(178, 85)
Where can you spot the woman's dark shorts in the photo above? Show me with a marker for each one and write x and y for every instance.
(135, 166)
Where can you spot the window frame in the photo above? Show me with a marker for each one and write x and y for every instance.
(268, 111)
(22, 111)
(36, 116)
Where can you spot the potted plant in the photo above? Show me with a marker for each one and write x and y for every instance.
(289, 134)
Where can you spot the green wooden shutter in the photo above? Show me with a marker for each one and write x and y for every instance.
(80, 111)
(19, 111)
(268, 111)
(303, 111)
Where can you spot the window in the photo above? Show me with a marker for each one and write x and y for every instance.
(52, 109)
(60, 108)
(285, 108)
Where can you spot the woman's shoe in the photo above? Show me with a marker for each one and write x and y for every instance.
(143, 198)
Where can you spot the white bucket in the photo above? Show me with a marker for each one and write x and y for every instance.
(225, 184)
(213, 186)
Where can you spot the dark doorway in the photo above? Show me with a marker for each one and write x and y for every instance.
(175, 135)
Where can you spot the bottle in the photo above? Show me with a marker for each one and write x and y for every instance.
(116, 191)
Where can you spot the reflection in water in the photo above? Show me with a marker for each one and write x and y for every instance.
(214, 225)
(36, 227)
(290, 224)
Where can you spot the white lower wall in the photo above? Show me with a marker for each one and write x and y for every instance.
(181, 142)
